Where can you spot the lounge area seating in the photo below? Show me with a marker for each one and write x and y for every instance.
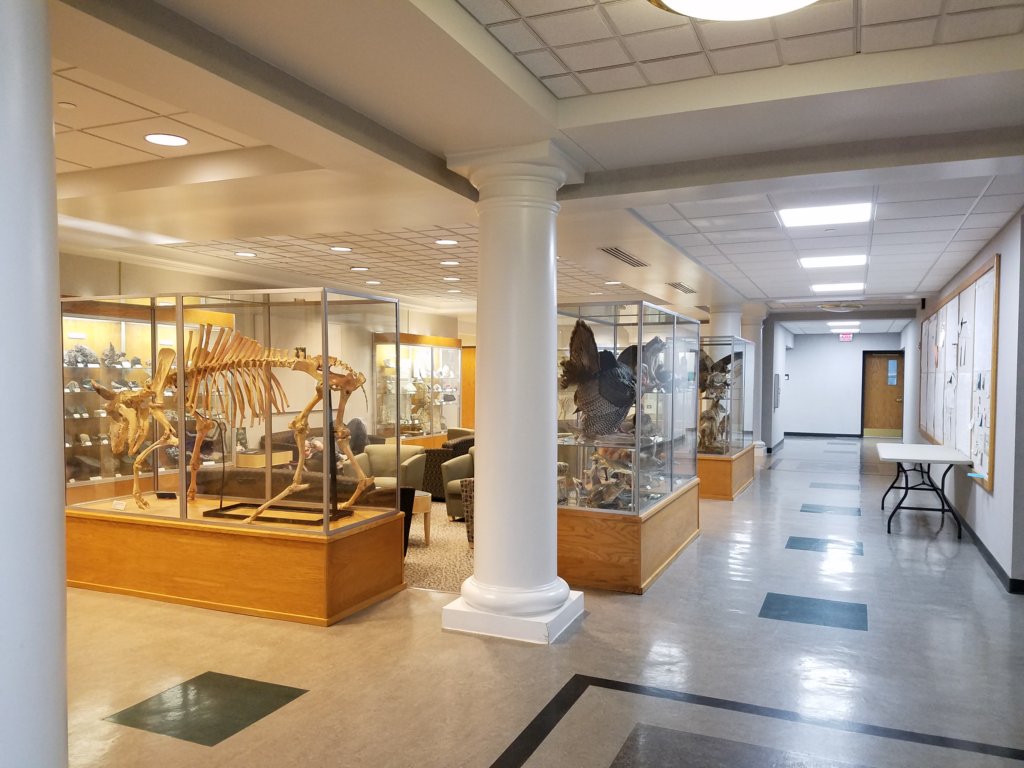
(452, 471)
(379, 462)
(459, 442)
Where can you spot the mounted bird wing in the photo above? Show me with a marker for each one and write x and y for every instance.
(583, 363)
(616, 382)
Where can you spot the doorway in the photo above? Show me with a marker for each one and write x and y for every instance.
(882, 399)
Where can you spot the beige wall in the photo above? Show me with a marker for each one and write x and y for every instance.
(85, 276)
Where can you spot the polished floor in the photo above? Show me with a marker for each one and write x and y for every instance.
(793, 632)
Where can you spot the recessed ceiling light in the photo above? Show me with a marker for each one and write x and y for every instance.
(814, 262)
(359, 269)
(454, 290)
(67, 105)
(843, 322)
(837, 287)
(341, 248)
(449, 263)
(613, 282)
(845, 330)
(597, 293)
(826, 214)
(730, 10)
(166, 139)
(245, 254)
(373, 282)
(446, 242)
(451, 279)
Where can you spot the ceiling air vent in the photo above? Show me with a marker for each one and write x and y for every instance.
(841, 306)
(626, 258)
(682, 287)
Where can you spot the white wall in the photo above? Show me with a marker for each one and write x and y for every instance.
(998, 517)
(823, 392)
(782, 340)
(910, 343)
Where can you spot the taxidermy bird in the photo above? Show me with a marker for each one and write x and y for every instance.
(648, 361)
(605, 388)
(709, 366)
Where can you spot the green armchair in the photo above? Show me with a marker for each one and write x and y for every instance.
(379, 462)
(452, 471)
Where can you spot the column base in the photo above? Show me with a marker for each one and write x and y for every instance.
(543, 628)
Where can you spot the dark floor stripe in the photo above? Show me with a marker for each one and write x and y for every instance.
(520, 750)
(830, 509)
(837, 486)
(814, 610)
(825, 545)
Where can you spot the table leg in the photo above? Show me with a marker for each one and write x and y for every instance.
(945, 501)
(900, 469)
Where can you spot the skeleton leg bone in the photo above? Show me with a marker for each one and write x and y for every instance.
(167, 437)
(203, 427)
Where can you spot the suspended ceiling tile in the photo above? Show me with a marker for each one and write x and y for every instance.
(830, 45)
(810, 198)
(932, 190)
(133, 134)
(92, 107)
(516, 36)
(597, 55)
(983, 234)
(988, 220)
(656, 212)
(955, 6)
(677, 69)
(728, 34)
(999, 204)
(745, 58)
(534, 7)
(923, 250)
(58, 128)
(94, 152)
(571, 27)
(614, 79)
(702, 251)
(216, 129)
(745, 236)
(688, 240)
(118, 91)
(676, 227)
(756, 247)
(893, 37)
(629, 16)
(724, 206)
(564, 86)
(945, 207)
(63, 166)
(764, 257)
(1007, 185)
(829, 230)
(920, 224)
(845, 242)
(663, 43)
(980, 24)
(542, 63)
(758, 221)
(879, 11)
(819, 17)
(909, 238)
(488, 11)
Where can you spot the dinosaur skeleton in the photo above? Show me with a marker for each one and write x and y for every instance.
(224, 360)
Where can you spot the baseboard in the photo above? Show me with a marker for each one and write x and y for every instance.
(819, 434)
(1013, 586)
(776, 447)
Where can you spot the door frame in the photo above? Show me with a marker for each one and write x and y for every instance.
(864, 379)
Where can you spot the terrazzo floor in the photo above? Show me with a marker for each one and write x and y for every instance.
(705, 669)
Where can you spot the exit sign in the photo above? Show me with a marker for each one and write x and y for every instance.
(846, 337)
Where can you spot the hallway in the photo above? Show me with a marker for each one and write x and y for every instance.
(793, 627)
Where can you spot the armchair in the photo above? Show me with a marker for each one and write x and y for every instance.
(378, 461)
(452, 471)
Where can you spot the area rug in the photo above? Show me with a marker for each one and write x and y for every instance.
(447, 562)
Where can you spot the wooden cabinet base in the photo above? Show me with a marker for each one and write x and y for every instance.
(725, 477)
(626, 553)
(295, 577)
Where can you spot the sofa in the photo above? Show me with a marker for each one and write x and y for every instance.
(452, 471)
(379, 462)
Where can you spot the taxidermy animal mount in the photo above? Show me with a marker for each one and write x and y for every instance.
(713, 429)
(605, 387)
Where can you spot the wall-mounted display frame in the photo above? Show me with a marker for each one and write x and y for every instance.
(959, 353)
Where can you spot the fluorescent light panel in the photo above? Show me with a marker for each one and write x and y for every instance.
(816, 262)
(730, 10)
(826, 214)
(833, 323)
(837, 287)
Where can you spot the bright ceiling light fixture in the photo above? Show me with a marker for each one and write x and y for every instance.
(730, 10)
(446, 242)
(845, 330)
(843, 322)
(166, 139)
(450, 279)
(449, 263)
(815, 262)
(838, 287)
(823, 215)
(358, 269)
(245, 254)
(341, 249)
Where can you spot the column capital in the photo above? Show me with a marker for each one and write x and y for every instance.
(541, 157)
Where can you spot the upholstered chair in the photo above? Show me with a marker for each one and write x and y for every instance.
(452, 471)
(379, 462)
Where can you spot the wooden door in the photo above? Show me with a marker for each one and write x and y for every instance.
(468, 417)
(883, 394)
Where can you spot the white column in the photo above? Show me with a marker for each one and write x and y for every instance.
(725, 322)
(515, 590)
(33, 728)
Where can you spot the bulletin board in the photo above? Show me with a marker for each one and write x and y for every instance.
(959, 342)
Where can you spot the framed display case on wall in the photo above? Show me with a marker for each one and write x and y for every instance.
(626, 442)
(724, 437)
(232, 416)
(425, 374)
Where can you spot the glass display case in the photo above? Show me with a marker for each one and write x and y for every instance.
(627, 405)
(214, 408)
(425, 374)
(726, 379)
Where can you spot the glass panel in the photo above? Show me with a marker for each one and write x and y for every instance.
(726, 371)
(891, 373)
